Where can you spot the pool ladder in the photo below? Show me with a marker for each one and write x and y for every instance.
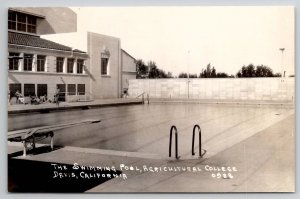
(176, 142)
(174, 129)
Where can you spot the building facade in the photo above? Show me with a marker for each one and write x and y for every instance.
(40, 67)
(128, 70)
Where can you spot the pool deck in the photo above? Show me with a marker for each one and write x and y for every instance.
(264, 161)
(65, 106)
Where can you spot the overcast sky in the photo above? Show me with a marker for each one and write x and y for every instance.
(181, 39)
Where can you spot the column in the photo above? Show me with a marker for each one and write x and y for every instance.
(21, 62)
(84, 67)
(65, 65)
(46, 64)
(75, 66)
(34, 63)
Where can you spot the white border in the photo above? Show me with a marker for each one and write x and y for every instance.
(3, 90)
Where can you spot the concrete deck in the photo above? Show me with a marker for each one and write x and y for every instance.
(264, 162)
(47, 107)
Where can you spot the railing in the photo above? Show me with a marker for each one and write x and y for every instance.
(143, 97)
(200, 141)
(142, 94)
(174, 129)
(176, 142)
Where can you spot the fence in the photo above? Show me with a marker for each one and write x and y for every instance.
(270, 89)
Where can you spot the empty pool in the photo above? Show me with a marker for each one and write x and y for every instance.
(145, 128)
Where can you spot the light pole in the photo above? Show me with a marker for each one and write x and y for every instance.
(188, 66)
(282, 72)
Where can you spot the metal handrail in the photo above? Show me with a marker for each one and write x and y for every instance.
(148, 98)
(143, 98)
(200, 142)
(176, 142)
(142, 94)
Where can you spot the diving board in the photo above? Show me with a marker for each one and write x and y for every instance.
(27, 136)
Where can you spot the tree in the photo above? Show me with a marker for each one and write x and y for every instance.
(213, 72)
(222, 75)
(141, 69)
(193, 76)
(208, 70)
(169, 75)
(206, 73)
(153, 70)
(182, 75)
(250, 70)
(258, 71)
(263, 71)
(277, 75)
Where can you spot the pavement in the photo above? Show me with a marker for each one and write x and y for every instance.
(47, 107)
(263, 162)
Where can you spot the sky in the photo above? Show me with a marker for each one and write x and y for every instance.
(186, 39)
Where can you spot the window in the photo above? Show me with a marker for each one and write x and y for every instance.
(70, 64)
(59, 64)
(104, 64)
(80, 66)
(12, 20)
(28, 62)
(62, 92)
(41, 90)
(14, 61)
(13, 88)
(21, 22)
(31, 24)
(41, 60)
(71, 89)
(81, 89)
(29, 90)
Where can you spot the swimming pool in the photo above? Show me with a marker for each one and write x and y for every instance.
(145, 128)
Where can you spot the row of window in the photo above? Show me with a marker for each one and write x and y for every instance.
(41, 62)
(21, 22)
(42, 89)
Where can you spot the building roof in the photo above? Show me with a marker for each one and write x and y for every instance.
(36, 41)
(78, 51)
(25, 12)
(128, 54)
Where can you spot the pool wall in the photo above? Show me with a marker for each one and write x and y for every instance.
(268, 89)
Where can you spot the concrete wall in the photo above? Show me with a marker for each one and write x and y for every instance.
(128, 69)
(104, 86)
(57, 19)
(126, 77)
(216, 88)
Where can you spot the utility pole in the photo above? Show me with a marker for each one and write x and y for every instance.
(188, 66)
(282, 71)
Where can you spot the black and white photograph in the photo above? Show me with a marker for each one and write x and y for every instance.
(151, 99)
